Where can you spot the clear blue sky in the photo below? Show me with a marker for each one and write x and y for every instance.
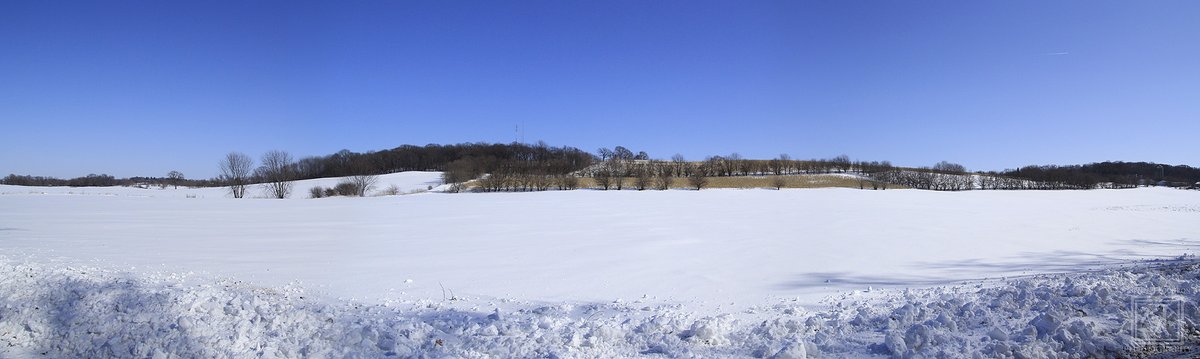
(142, 88)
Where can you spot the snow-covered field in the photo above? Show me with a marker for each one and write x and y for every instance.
(715, 273)
(405, 182)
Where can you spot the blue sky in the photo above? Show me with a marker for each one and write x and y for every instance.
(142, 88)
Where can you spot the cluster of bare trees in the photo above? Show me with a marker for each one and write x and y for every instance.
(510, 175)
(26, 180)
(522, 182)
(735, 165)
(946, 176)
(536, 168)
(940, 181)
(943, 176)
(994, 182)
(620, 153)
(363, 183)
(619, 169)
(520, 167)
(1093, 175)
(1105, 174)
(467, 169)
(174, 178)
(277, 172)
(930, 180)
(509, 167)
(91, 180)
(353, 186)
(637, 174)
(1011, 183)
(469, 159)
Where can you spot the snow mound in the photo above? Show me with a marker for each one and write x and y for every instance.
(60, 311)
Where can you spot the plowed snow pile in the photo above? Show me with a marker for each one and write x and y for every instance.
(87, 312)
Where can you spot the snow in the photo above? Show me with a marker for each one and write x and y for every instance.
(79, 311)
(406, 182)
(761, 273)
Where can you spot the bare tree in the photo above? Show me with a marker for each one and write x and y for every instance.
(567, 182)
(603, 178)
(841, 163)
(394, 190)
(622, 153)
(235, 173)
(680, 165)
(642, 178)
(493, 182)
(174, 177)
(780, 165)
(662, 176)
(697, 179)
(604, 153)
(277, 173)
(736, 164)
(346, 188)
(779, 182)
(364, 183)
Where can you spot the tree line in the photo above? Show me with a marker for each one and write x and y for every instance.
(729, 165)
(473, 158)
(511, 165)
(535, 167)
(174, 178)
(1105, 174)
(952, 177)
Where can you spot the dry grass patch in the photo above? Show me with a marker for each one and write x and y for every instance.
(789, 181)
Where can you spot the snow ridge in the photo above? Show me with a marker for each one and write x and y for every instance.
(1117, 312)
(90, 312)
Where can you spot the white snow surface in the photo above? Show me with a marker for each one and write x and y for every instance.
(714, 273)
(405, 182)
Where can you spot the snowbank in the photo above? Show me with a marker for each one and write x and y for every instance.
(82, 311)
